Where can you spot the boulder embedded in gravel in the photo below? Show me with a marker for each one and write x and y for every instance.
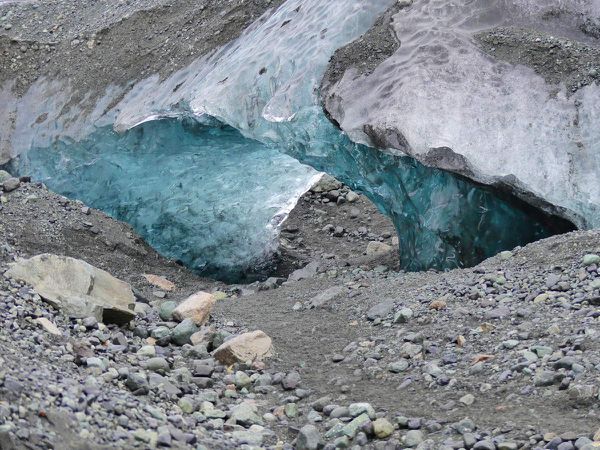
(380, 310)
(255, 345)
(10, 184)
(76, 287)
(196, 307)
(320, 300)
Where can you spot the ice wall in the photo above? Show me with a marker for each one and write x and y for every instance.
(505, 121)
(264, 84)
(199, 193)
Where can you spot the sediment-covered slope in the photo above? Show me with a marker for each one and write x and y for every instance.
(504, 92)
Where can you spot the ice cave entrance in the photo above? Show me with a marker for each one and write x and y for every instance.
(205, 195)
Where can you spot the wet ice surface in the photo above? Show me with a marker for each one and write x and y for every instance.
(440, 90)
(207, 196)
(200, 194)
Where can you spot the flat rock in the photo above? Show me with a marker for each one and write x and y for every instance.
(48, 326)
(320, 300)
(376, 248)
(77, 288)
(160, 282)
(308, 271)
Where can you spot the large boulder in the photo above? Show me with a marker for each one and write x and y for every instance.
(253, 346)
(196, 307)
(77, 288)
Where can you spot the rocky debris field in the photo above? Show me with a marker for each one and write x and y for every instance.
(333, 225)
(344, 352)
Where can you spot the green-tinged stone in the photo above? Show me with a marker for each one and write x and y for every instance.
(351, 428)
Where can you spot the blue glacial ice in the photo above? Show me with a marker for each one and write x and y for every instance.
(206, 163)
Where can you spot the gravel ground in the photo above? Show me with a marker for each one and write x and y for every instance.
(505, 355)
(502, 356)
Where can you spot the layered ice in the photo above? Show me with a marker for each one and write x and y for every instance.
(505, 122)
(207, 193)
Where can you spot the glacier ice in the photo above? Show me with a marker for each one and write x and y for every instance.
(233, 135)
(199, 193)
(508, 124)
(205, 195)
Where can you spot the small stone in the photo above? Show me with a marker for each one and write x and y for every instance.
(398, 366)
(245, 414)
(510, 344)
(467, 400)
(242, 379)
(351, 197)
(165, 311)
(147, 350)
(183, 332)
(186, 404)
(413, 438)
(381, 310)
(11, 184)
(356, 409)
(157, 364)
(590, 259)
(291, 410)
(484, 445)
(351, 428)
(545, 378)
(403, 315)
(382, 428)
(136, 382)
(438, 305)
(161, 332)
(291, 381)
(48, 326)
(309, 438)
